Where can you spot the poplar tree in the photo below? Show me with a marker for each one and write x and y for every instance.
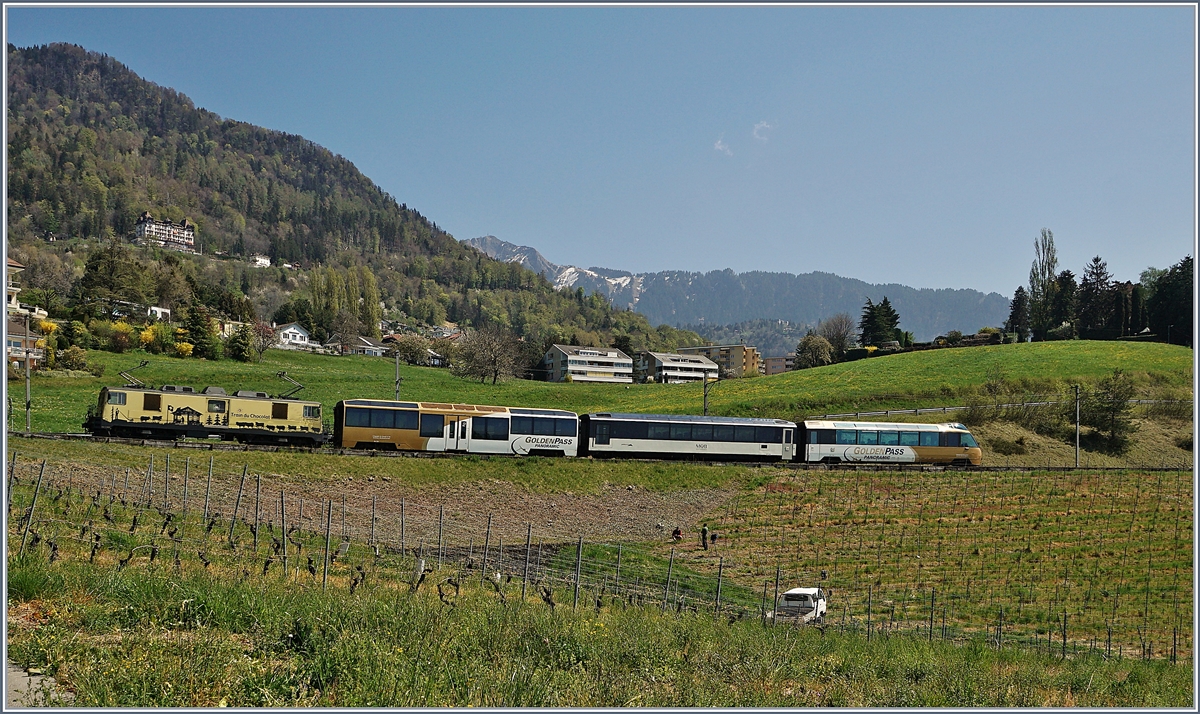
(1041, 284)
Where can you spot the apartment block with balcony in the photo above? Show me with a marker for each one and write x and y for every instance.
(166, 234)
(734, 360)
(13, 305)
(673, 368)
(778, 365)
(588, 364)
(19, 346)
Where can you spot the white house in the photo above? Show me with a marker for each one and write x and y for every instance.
(293, 336)
(673, 368)
(588, 364)
(260, 261)
(356, 345)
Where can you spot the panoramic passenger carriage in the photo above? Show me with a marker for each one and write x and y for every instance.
(878, 442)
(467, 428)
(686, 437)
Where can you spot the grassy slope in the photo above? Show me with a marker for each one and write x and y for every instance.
(146, 635)
(905, 380)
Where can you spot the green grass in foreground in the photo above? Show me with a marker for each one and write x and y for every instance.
(930, 378)
(145, 637)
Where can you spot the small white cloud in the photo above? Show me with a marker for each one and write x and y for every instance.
(760, 129)
(722, 146)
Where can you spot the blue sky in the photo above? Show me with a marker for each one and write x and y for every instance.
(921, 145)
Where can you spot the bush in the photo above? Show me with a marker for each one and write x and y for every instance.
(95, 368)
(183, 349)
(77, 334)
(953, 337)
(861, 353)
(1184, 442)
(122, 337)
(74, 357)
(1004, 447)
(1065, 331)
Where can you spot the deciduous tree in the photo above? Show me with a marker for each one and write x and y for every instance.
(488, 353)
(262, 339)
(838, 331)
(813, 351)
(1041, 284)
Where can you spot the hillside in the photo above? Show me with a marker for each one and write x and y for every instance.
(933, 378)
(91, 145)
(706, 301)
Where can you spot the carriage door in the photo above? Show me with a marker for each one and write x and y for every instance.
(602, 433)
(789, 444)
(456, 433)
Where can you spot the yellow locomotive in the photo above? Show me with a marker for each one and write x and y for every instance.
(176, 412)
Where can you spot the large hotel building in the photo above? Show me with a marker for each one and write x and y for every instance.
(165, 234)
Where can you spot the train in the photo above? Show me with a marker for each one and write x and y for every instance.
(176, 412)
(514, 431)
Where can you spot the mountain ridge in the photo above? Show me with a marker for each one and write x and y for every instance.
(723, 297)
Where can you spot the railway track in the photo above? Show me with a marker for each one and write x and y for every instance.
(370, 453)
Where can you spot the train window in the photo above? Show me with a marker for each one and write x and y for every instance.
(116, 397)
(564, 427)
(522, 425)
(820, 436)
(702, 432)
(930, 438)
(152, 402)
(847, 436)
(216, 406)
(543, 426)
(681, 432)
(405, 419)
(868, 437)
(279, 410)
(787, 436)
(629, 430)
(492, 428)
(769, 434)
(312, 411)
(381, 419)
(889, 438)
(909, 438)
(722, 433)
(658, 431)
(745, 434)
(968, 441)
(358, 417)
(431, 424)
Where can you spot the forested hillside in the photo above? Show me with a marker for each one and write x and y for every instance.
(91, 146)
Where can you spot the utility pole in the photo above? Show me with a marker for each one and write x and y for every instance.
(399, 379)
(28, 401)
(1076, 426)
(708, 383)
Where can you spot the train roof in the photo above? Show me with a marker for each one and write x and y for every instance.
(209, 392)
(689, 418)
(443, 406)
(869, 425)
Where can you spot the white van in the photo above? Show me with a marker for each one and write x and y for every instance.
(804, 604)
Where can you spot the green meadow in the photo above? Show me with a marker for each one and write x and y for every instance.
(917, 379)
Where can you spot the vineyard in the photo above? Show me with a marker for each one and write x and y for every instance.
(1065, 565)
